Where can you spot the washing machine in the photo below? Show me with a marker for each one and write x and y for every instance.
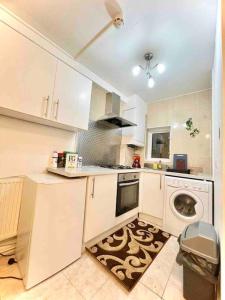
(186, 201)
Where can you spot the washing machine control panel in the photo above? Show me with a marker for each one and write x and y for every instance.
(187, 184)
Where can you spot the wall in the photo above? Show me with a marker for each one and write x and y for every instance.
(174, 112)
(25, 147)
(218, 93)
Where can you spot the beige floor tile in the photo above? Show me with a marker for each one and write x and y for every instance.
(157, 275)
(174, 287)
(87, 276)
(9, 287)
(86, 279)
(112, 290)
(56, 287)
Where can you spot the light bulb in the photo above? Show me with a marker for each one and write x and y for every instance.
(136, 70)
(161, 68)
(151, 82)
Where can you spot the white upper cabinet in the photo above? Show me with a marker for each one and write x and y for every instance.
(71, 99)
(135, 111)
(26, 75)
(36, 86)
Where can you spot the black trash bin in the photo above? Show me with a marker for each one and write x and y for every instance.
(199, 255)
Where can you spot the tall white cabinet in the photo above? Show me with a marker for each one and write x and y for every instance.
(50, 227)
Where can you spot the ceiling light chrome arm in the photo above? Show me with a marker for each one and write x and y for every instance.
(155, 66)
(140, 66)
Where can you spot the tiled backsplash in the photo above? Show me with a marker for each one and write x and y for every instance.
(99, 145)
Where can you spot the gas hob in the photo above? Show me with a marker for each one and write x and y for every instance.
(116, 167)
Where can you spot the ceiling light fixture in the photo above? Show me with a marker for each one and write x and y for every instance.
(148, 69)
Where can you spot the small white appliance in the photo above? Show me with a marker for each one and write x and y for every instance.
(50, 229)
(186, 201)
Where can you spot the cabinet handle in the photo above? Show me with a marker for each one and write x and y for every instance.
(160, 184)
(56, 109)
(93, 188)
(46, 102)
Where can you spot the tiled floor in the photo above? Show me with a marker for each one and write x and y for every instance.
(86, 279)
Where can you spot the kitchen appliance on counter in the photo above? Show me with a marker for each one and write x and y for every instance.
(136, 161)
(127, 192)
(180, 164)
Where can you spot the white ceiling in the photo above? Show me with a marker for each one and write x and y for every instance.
(180, 33)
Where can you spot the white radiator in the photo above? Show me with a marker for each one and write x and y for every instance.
(10, 198)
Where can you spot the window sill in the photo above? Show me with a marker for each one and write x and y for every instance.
(153, 160)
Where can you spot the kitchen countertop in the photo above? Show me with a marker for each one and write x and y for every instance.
(95, 170)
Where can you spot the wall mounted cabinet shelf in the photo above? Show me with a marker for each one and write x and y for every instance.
(135, 111)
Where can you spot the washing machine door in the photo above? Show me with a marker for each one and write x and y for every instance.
(186, 206)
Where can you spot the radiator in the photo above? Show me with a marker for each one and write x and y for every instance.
(10, 198)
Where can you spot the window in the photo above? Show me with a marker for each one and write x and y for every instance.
(158, 144)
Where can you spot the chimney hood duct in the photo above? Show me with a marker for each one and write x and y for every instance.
(112, 117)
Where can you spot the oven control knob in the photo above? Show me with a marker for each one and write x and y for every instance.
(123, 177)
(135, 176)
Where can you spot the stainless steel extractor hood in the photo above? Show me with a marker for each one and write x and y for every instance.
(112, 115)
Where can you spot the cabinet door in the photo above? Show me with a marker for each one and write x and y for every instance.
(135, 112)
(130, 115)
(72, 94)
(141, 120)
(27, 74)
(153, 193)
(100, 205)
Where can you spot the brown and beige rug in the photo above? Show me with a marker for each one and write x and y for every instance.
(128, 252)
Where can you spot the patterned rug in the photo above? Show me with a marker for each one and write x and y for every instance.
(128, 252)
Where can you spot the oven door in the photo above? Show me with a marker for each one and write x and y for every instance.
(127, 196)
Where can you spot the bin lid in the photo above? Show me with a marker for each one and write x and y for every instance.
(200, 238)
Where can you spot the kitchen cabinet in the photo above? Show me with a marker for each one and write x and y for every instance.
(135, 111)
(27, 74)
(50, 226)
(100, 205)
(71, 99)
(153, 194)
(37, 87)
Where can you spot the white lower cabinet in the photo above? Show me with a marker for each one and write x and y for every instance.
(50, 226)
(100, 205)
(153, 194)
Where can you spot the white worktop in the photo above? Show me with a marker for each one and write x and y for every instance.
(95, 170)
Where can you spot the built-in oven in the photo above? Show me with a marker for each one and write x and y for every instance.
(127, 192)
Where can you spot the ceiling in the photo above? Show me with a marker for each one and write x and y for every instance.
(180, 33)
